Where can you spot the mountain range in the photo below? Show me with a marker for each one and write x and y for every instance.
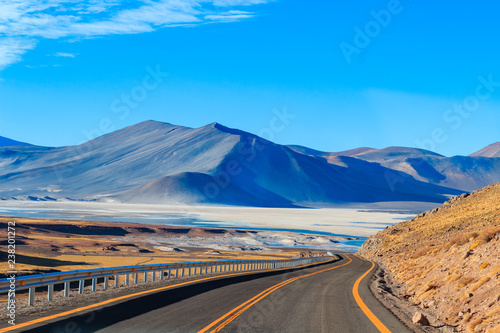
(6, 142)
(161, 163)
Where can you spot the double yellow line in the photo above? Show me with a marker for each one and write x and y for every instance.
(236, 312)
(142, 293)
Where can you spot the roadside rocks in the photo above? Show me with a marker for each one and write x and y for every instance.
(420, 319)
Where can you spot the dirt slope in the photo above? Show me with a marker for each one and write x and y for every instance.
(448, 259)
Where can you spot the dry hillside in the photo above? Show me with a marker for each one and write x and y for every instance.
(448, 260)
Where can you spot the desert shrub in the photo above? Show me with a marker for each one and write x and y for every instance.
(484, 265)
(495, 329)
(464, 281)
(463, 239)
(474, 323)
(487, 235)
(454, 277)
(473, 246)
(476, 285)
(421, 253)
(494, 271)
(494, 312)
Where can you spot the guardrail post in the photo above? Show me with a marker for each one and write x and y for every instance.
(189, 271)
(31, 296)
(117, 281)
(127, 279)
(154, 276)
(136, 278)
(50, 292)
(145, 276)
(81, 284)
(182, 272)
(169, 274)
(105, 285)
(66, 289)
(94, 284)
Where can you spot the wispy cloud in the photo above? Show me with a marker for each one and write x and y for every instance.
(65, 55)
(12, 48)
(24, 22)
(231, 15)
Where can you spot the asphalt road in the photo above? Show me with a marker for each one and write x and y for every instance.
(323, 302)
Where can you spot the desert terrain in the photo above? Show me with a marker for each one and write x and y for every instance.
(446, 261)
(61, 245)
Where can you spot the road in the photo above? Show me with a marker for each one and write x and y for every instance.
(314, 299)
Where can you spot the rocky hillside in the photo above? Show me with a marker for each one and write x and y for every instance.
(448, 260)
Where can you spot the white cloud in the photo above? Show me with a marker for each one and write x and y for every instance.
(65, 55)
(238, 2)
(12, 48)
(24, 22)
(231, 15)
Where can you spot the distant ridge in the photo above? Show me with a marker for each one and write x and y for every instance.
(492, 150)
(466, 173)
(6, 142)
(162, 163)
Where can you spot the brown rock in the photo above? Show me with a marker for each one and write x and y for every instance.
(420, 319)
(467, 254)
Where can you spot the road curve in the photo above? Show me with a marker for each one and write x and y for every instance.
(313, 299)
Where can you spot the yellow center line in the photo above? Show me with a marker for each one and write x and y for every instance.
(113, 300)
(236, 312)
(381, 327)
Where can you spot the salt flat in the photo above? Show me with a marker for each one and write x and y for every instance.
(361, 220)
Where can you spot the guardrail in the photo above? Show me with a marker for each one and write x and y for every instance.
(168, 271)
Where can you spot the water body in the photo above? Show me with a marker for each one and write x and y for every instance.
(170, 219)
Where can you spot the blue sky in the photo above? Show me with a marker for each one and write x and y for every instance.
(345, 74)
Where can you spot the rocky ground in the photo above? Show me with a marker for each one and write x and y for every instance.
(445, 263)
(56, 245)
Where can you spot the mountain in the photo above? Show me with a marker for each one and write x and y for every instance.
(6, 142)
(466, 173)
(492, 150)
(446, 260)
(156, 162)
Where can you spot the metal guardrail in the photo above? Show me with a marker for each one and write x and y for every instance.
(167, 271)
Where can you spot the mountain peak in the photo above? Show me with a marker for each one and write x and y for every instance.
(229, 130)
(492, 150)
